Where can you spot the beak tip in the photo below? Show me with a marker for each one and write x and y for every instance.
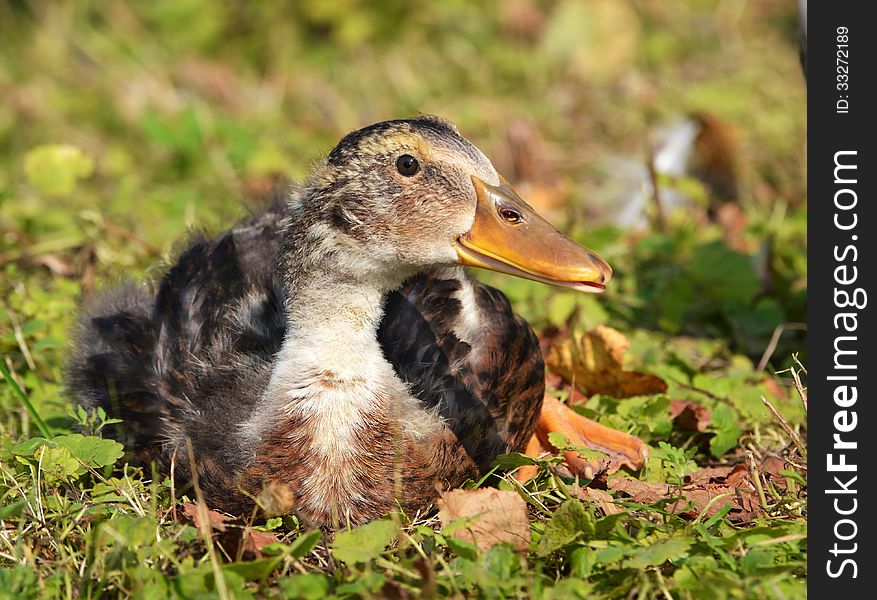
(602, 268)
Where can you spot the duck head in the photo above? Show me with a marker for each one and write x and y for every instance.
(414, 194)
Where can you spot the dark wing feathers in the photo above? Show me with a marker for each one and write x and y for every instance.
(191, 359)
(490, 398)
(113, 362)
(510, 373)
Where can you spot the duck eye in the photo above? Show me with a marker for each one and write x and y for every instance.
(407, 165)
(511, 215)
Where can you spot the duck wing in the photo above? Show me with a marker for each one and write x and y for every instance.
(466, 354)
(191, 359)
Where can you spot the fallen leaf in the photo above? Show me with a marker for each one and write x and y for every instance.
(594, 360)
(217, 519)
(644, 492)
(772, 467)
(714, 163)
(690, 416)
(699, 490)
(737, 474)
(601, 498)
(254, 540)
(727, 475)
(494, 516)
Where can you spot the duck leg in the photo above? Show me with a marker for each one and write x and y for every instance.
(621, 448)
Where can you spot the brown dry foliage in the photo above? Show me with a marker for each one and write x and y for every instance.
(594, 361)
(499, 516)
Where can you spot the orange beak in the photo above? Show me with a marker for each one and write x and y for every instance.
(510, 237)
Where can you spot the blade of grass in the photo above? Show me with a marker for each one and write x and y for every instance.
(796, 439)
(34, 415)
(205, 528)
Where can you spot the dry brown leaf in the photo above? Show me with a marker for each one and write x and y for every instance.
(217, 519)
(727, 475)
(733, 221)
(699, 490)
(690, 416)
(602, 499)
(500, 516)
(713, 162)
(771, 467)
(253, 541)
(594, 361)
(644, 492)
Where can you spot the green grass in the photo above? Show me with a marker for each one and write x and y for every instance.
(124, 125)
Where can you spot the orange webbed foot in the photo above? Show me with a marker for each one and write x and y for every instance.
(621, 449)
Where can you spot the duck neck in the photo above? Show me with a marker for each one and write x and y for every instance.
(330, 370)
(333, 402)
(334, 297)
(332, 323)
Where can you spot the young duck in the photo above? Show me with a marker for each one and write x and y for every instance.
(332, 353)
